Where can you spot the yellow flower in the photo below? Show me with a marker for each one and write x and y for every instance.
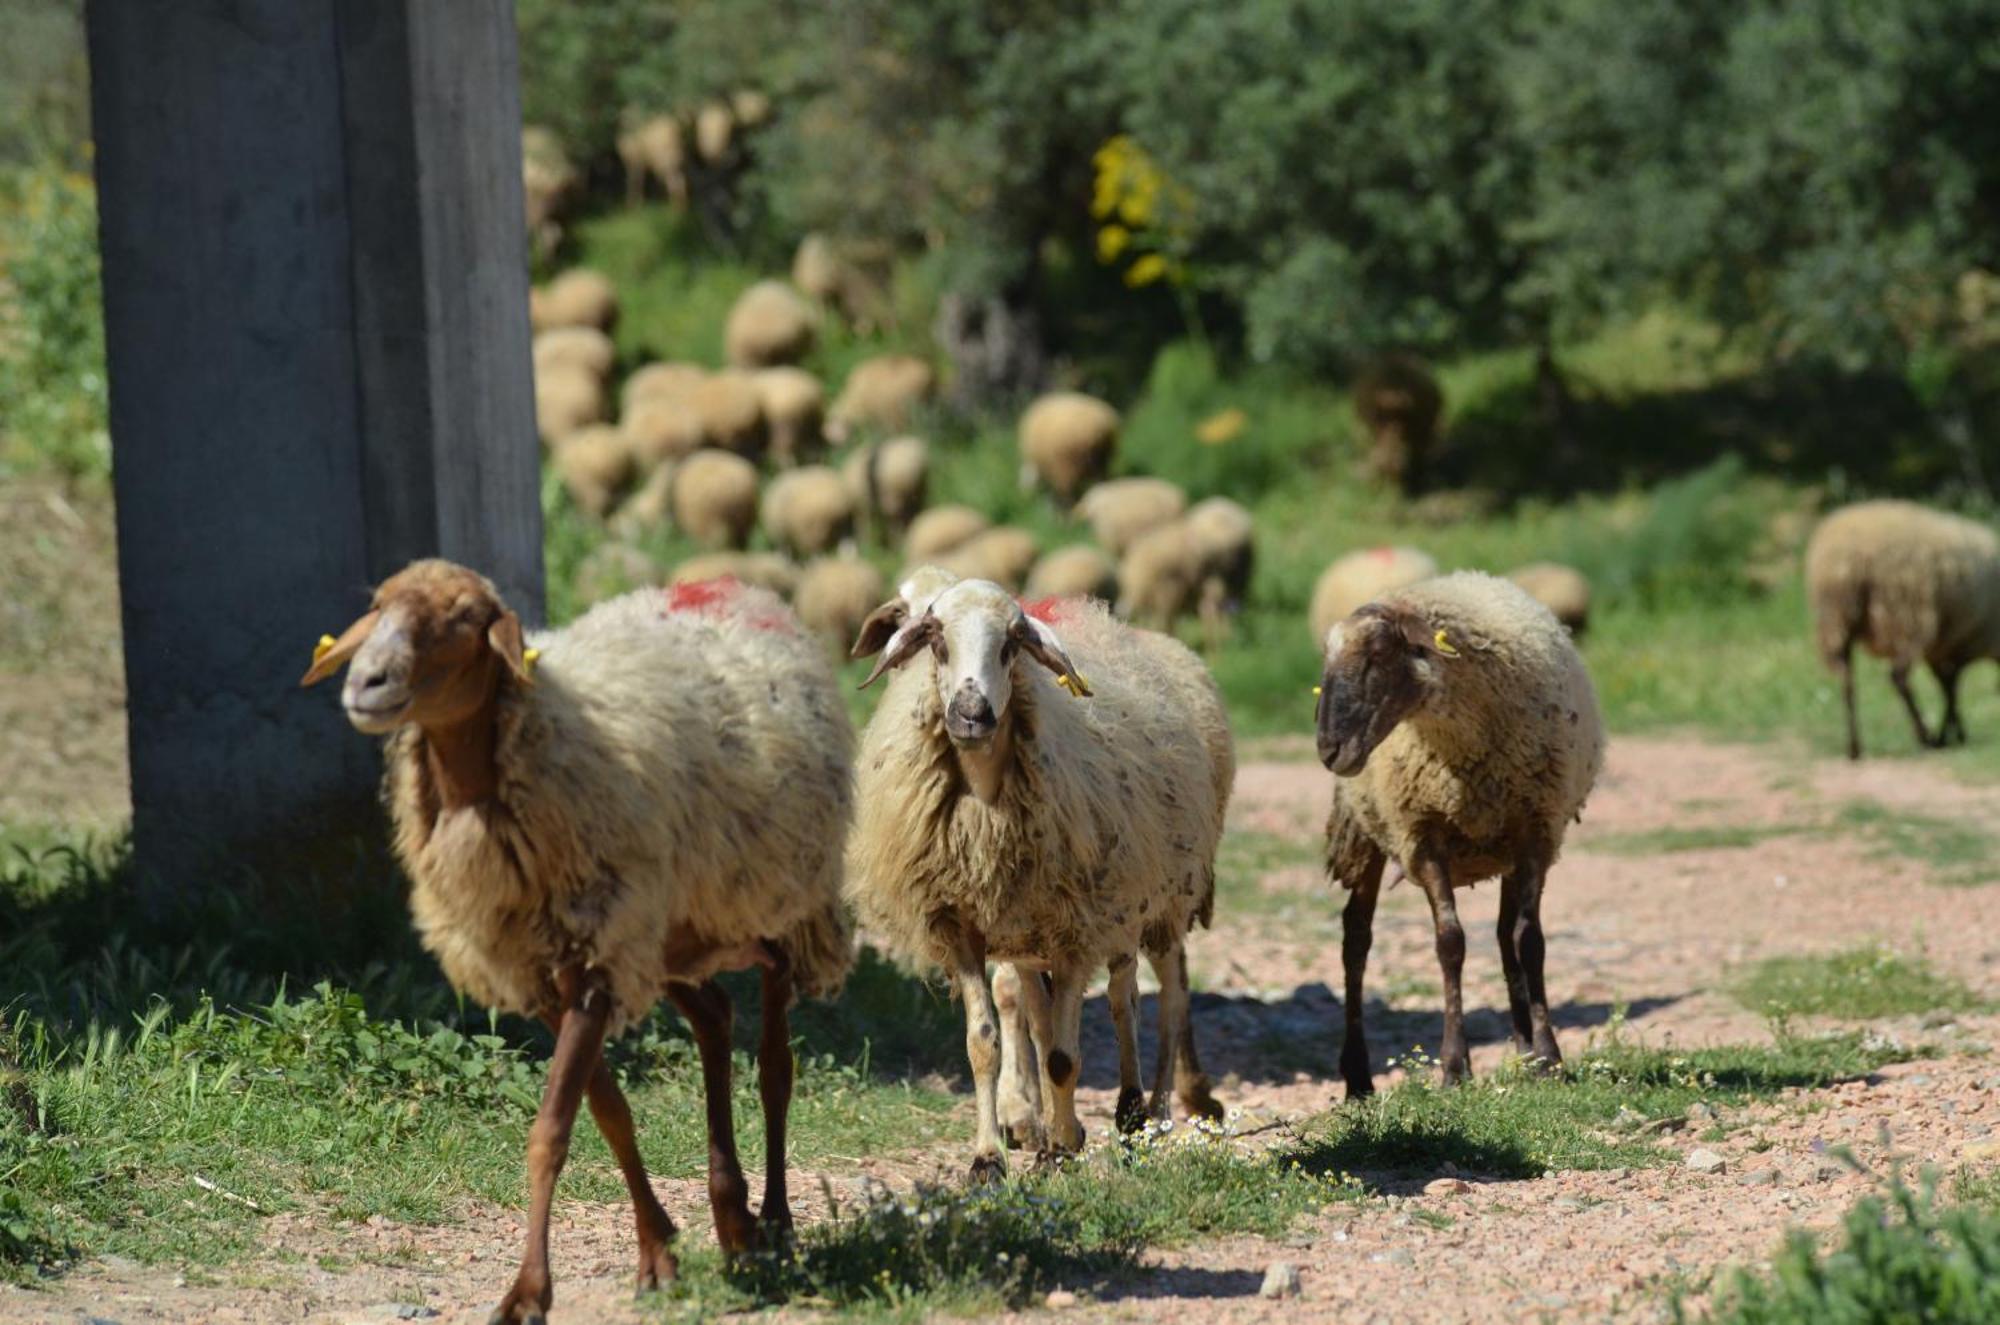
(1146, 270)
(1221, 427)
(1111, 241)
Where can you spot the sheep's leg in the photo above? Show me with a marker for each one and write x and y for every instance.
(1191, 1085)
(1169, 968)
(1436, 880)
(579, 1049)
(657, 1264)
(1899, 676)
(1064, 1058)
(1528, 877)
(774, 1088)
(1038, 1003)
(982, 1051)
(1843, 666)
(1952, 730)
(1357, 923)
(1123, 996)
(706, 1007)
(1510, 963)
(1020, 1105)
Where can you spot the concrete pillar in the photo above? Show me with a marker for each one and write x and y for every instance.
(316, 323)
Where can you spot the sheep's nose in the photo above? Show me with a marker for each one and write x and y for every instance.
(970, 711)
(373, 679)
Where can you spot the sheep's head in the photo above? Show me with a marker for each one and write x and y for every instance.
(429, 650)
(975, 630)
(1382, 664)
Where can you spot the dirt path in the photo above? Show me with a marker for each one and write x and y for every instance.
(1694, 858)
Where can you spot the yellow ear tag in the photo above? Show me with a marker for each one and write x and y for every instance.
(1444, 646)
(324, 647)
(1316, 690)
(1074, 683)
(528, 660)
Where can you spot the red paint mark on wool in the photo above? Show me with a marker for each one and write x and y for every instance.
(1048, 611)
(700, 595)
(1383, 553)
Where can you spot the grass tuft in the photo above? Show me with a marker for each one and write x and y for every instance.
(1856, 985)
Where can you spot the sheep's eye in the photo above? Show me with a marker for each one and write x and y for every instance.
(1009, 649)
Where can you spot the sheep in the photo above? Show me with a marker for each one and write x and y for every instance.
(732, 413)
(1122, 509)
(1398, 403)
(661, 428)
(714, 131)
(751, 107)
(714, 498)
(1562, 589)
(889, 481)
(817, 270)
(1076, 570)
(656, 147)
(1067, 442)
(1198, 563)
(1463, 734)
(655, 380)
(582, 347)
(1000, 819)
(794, 405)
(578, 297)
(882, 394)
(765, 570)
(1908, 584)
(595, 466)
(1002, 554)
(808, 511)
(942, 529)
(550, 183)
(769, 324)
(1360, 576)
(835, 596)
(567, 397)
(597, 816)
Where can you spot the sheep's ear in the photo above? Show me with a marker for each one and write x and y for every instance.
(331, 654)
(881, 624)
(902, 646)
(1420, 635)
(1041, 644)
(504, 638)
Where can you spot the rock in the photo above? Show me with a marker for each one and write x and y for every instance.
(1566, 1205)
(1760, 1178)
(1826, 1171)
(1917, 1079)
(1981, 1150)
(1627, 1117)
(1937, 1019)
(1703, 1160)
(1059, 1299)
(1699, 1112)
(1447, 1187)
(1281, 1280)
(1394, 1256)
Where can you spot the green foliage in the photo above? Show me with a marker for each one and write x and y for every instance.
(1957, 853)
(1856, 985)
(52, 386)
(1900, 1256)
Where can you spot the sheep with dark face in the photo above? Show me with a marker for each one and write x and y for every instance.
(1463, 733)
(1002, 819)
(595, 817)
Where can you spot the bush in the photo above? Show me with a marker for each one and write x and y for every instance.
(53, 401)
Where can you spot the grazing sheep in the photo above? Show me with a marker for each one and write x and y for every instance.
(578, 297)
(595, 466)
(550, 185)
(1398, 403)
(714, 131)
(714, 498)
(1001, 819)
(575, 347)
(1361, 576)
(567, 397)
(1002, 554)
(942, 529)
(1198, 563)
(808, 511)
(1562, 589)
(889, 481)
(597, 816)
(764, 570)
(1908, 584)
(1463, 733)
(661, 428)
(655, 147)
(657, 380)
(794, 406)
(751, 107)
(835, 596)
(732, 413)
(1078, 570)
(817, 270)
(881, 394)
(769, 324)
(1067, 441)
(1121, 509)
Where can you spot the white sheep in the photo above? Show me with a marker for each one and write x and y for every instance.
(1002, 554)
(794, 406)
(808, 511)
(941, 530)
(1119, 510)
(581, 347)
(1463, 732)
(1067, 443)
(764, 570)
(1360, 577)
(1004, 818)
(1073, 571)
(1564, 590)
(567, 397)
(659, 428)
(882, 395)
(1200, 563)
(835, 596)
(595, 817)
(579, 297)
(672, 378)
(889, 481)
(732, 413)
(1908, 584)
(769, 324)
(595, 466)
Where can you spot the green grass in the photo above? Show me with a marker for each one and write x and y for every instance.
(1247, 857)
(1899, 1256)
(1707, 837)
(1955, 853)
(1859, 984)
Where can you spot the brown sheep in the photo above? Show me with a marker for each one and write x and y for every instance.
(1398, 403)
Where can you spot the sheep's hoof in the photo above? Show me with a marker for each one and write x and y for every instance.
(657, 1266)
(1131, 1110)
(1024, 1134)
(988, 1168)
(518, 1313)
(1199, 1103)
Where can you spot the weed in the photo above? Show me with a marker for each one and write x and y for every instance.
(1957, 853)
(1856, 985)
(1709, 837)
